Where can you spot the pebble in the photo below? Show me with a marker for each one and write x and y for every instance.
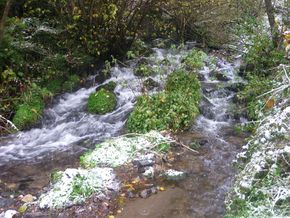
(145, 193)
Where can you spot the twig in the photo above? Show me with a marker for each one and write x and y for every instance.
(188, 148)
(9, 122)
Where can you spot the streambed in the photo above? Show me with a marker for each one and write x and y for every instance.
(67, 130)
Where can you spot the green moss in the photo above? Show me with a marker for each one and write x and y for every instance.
(175, 108)
(102, 102)
(30, 108)
(143, 70)
(71, 83)
(28, 114)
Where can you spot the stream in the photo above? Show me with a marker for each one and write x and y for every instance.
(67, 130)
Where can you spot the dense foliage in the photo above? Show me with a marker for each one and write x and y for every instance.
(175, 108)
(50, 42)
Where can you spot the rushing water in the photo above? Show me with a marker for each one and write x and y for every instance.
(67, 130)
(67, 126)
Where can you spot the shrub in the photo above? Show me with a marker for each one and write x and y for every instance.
(262, 55)
(174, 108)
(257, 85)
(181, 81)
(194, 60)
(55, 85)
(71, 83)
(102, 102)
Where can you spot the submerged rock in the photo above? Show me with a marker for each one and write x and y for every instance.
(222, 77)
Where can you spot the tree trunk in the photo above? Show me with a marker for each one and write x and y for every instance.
(271, 17)
(3, 19)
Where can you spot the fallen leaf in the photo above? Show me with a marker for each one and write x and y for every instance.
(270, 103)
(27, 198)
(22, 209)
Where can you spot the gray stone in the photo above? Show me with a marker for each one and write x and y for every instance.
(145, 193)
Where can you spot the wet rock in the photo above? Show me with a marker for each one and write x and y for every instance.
(174, 175)
(149, 172)
(150, 84)
(109, 86)
(154, 190)
(203, 142)
(145, 161)
(5, 202)
(221, 77)
(201, 77)
(101, 77)
(8, 214)
(145, 193)
(235, 87)
(131, 195)
(141, 170)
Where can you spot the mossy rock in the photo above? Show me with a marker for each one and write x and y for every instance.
(110, 86)
(71, 83)
(143, 70)
(27, 115)
(102, 102)
(31, 106)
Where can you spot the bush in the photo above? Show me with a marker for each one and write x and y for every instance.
(102, 102)
(175, 108)
(257, 85)
(55, 85)
(71, 83)
(262, 56)
(194, 60)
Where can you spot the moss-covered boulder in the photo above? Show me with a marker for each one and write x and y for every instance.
(30, 110)
(102, 102)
